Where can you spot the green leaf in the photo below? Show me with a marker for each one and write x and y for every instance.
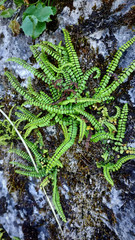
(54, 9)
(29, 11)
(1, 234)
(39, 28)
(43, 13)
(32, 27)
(28, 25)
(18, 2)
(35, 18)
(2, 2)
(16, 238)
(7, 13)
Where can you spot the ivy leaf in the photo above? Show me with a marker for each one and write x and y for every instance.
(7, 13)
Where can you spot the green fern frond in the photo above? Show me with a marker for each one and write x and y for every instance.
(82, 83)
(45, 182)
(38, 156)
(112, 118)
(56, 197)
(39, 122)
(40, 160)
(102, 136)
(73, 56)
(110, 126)
(60, 50)
(63, 102)
(32, 100)
(18, 87)
(27, 66)
(106, 172)
(122, 123)
(20, 165)
(82, 127)
(64, 128)
(57, 204)
(26, 114)
(118, 164)
(113, 167)
(29, 174)
(4, 139)
(91, 118)
(46, 49)
(41, 96)
(114, 63)
(68, 72)
(112, 87)
(82, 130)
(21, 153)
(7, 132)
(50, 75)
(88, 101)
(90, 71)
(68, 142)
(116, 116)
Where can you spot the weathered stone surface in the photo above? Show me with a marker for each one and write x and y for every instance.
(93, 209)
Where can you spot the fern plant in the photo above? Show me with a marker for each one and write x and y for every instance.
(67, 104)
(41, 159)
(116, 144)
(66, 83)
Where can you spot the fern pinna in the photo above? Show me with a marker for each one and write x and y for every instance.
(69, 105)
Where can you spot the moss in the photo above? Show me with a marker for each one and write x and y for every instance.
(104, 233)
(60, 4)
(129, 19)
(30, 231)
(16, 182)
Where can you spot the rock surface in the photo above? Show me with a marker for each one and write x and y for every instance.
(93, 209)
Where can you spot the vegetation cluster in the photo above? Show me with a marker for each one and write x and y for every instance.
(69, 103)
(34, 18)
